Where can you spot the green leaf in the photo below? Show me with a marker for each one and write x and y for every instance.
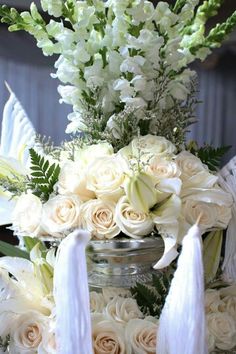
(211, 254)
(43, 176)
(210, 156)
(31, 242)
(12, 251)
(151, 298)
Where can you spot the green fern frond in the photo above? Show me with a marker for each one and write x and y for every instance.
(211, 156)
(43, 176)
(151, 298)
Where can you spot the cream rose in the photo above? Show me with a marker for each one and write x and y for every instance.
(27, 331)
(193, 172)
(107, 336)
(122, 310)
(97, 302)
(60, 214)
(73, 180)
(213, 302)
(152, 145)
(92, 152)
(98, 218)
(223, 216)
(228, 296)
(132, 222)
(106, 177)
(223, 327)
(162, 168)
(27, 214)
(193, 209)
(109, 293)
(142, 336)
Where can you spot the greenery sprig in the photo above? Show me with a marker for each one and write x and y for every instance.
(209, 155)
(43, 176)
(151, 298)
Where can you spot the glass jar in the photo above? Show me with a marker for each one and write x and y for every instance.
(121, 262)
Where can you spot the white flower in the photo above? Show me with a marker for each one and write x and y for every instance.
(97, 302)
(132, 222)
(26, 216)
(106, 177)
(228, 296)
(26, 332)
(108, 336)
(61, 214)
(90, 153)
(151, 146)
(73, 180)
(142, 335)
(141, 192)
(213, 302)
(98, 218)
(223, 327)
(162, 168)
(193, 209)
(53, 7)
(109, 293)
(122, 310)
(193, 172)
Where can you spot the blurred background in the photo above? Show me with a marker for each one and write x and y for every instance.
(27, 71)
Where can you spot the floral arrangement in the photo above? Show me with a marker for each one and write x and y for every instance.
(128, 170)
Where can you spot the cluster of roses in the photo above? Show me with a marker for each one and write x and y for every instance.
(145, 187)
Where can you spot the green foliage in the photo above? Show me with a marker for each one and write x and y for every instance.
(16, 184)
(43, 175)
(4, 343)
(179, 4)
(216, 35)
(212, 246)
(209, 155)
(31, 242)
(68, 10)
(12, 251)
(209, 8)
(151, 298)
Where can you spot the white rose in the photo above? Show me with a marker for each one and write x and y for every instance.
(122, 310)
(193, 172)
(142, 335)
(210, 341)
(193, 209)
(152, 145)
(230, 305)
(106, 177)
(107, 336)
(213, 303)
(73, 180)
(161, 168)
(98, 218)
(97, 302)
(110, 293)
(26, 332)
(60, 214)
(49, 341)
(223, 327)
(224, 216)
(92, 152)
(27, 215)
(132, 222)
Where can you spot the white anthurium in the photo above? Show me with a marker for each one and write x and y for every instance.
(165, 218)
(17, 136)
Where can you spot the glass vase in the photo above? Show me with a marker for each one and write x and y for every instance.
(121, 262)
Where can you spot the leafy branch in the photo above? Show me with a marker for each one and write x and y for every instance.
(16, 185)
(43, 175)
(151, 298)
(209, 155)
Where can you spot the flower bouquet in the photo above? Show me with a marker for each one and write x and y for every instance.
(127, 176)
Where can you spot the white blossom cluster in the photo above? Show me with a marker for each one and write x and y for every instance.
(113, 55)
